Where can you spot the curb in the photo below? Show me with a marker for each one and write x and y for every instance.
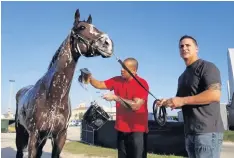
(228, 143)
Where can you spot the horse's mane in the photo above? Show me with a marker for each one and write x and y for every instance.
(54, 58)
(56, 54)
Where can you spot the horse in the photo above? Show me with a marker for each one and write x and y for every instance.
(43, 110)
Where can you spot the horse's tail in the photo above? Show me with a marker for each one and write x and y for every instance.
(16, 109)
(17, 96)
(17, 99)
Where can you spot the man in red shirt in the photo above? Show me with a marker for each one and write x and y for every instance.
(131, 110)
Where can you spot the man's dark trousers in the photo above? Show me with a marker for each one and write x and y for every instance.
(132, 145)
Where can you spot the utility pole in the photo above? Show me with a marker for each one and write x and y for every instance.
(10, 98)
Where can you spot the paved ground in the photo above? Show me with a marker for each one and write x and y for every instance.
(8, 149)
(227, 150)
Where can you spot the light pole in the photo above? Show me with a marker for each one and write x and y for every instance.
(10, 98)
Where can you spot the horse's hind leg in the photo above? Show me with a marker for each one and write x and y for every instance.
(21, 139)
(21, 133)
(58, 142)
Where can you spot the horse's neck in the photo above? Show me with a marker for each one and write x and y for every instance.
(59, 76)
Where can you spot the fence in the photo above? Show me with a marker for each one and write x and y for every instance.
(161, 140)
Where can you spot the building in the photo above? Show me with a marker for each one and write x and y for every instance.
(230, 59)
(230, 87)
(79, 111)
(223, 111)
(111, 110)
(8, 115)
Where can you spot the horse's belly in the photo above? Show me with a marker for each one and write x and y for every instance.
(52, 122)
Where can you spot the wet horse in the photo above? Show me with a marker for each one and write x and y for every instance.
(43, 110)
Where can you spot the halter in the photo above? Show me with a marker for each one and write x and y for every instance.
(89, 44)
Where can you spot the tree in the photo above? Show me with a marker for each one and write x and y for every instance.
(81, 116)
(76, 115)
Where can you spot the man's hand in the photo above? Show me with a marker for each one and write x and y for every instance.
(85, 76)
(175, 102)
(161, 102)
(109, 97)
(172, 102)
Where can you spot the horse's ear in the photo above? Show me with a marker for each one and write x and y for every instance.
(77, 15)
(89, 19)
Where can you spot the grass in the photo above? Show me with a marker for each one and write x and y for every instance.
(11, 128)
(90, 150)
(228, 136)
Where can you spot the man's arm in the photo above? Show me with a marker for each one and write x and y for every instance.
(211, 81)
(134, 104)
(86, 75)
(97, 84)
(212, 94)
(139, 97)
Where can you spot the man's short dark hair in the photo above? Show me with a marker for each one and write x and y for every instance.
(190, 37)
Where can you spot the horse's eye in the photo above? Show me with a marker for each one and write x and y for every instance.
(82, 27)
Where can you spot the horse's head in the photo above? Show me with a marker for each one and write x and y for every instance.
(88, 41)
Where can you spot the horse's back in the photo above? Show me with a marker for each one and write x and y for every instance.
(23, 97)
(22, 91)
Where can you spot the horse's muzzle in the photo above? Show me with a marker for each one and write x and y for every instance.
(104, 46)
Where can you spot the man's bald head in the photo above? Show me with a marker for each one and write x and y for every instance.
(132, 61)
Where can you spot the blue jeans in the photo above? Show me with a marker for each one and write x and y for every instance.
(205, 145)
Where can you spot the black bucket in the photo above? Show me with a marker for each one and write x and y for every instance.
(95, 116)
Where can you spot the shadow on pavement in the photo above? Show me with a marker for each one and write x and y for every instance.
(11, 153)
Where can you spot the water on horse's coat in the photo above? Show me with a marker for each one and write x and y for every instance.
(55, 118)
(56, 86)
(43, 110)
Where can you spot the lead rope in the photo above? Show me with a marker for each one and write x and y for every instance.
(160, 113)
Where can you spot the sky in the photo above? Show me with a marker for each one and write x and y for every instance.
(31, 32)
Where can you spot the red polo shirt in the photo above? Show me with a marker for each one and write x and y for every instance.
(126, 119)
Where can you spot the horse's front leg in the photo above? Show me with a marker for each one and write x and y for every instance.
(32, 145)
(58, 143)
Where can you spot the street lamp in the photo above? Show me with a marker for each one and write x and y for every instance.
(10, 98)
